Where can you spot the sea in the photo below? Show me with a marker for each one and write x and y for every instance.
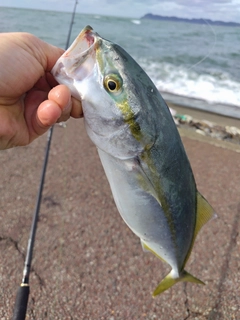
(187, 62)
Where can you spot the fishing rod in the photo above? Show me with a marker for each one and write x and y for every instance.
(21, 302)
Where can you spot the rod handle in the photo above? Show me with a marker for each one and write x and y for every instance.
(21, 303)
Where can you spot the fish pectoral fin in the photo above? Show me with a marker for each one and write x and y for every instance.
(169, 281)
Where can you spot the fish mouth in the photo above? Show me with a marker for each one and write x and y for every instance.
(83, 44)
(79, 60)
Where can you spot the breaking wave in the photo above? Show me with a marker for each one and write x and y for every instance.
(213, 87)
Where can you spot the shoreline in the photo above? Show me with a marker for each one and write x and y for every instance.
(204, 115)
(208, 127)
(226, 110)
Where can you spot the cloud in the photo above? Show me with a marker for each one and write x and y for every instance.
(201, 3)
(226, 10)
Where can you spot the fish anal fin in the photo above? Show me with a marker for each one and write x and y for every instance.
(169, 281)
(146, 248)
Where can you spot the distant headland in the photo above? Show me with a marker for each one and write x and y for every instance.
(196, 21)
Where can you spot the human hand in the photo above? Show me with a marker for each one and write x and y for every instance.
(31, 101)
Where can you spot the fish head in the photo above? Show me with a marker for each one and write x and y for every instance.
(103, 76)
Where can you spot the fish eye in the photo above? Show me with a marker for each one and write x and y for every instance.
(112, 83)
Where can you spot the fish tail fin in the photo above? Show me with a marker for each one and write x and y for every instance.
(169, 281)
(188, 277)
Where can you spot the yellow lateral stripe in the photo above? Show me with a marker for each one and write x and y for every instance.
(128, 116)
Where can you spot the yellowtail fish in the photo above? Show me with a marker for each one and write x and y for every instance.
(140, 149)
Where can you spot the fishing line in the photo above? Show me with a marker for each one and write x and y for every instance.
(210, 50)
(21, 302)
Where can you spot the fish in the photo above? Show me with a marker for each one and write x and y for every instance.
(140, 148)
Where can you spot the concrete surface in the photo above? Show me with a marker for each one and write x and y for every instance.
(87, 263)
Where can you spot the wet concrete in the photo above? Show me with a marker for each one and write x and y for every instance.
(87, 263)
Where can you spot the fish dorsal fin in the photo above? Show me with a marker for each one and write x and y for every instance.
(204, 213)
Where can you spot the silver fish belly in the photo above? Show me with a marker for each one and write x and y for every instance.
(140, 149)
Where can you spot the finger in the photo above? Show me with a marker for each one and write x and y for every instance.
(62, 96)
(42, 84)
(76, 111)
(69, 105)
(51, 80)
(47, 115)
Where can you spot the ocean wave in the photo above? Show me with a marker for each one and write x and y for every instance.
(135, 21)
(214, 86)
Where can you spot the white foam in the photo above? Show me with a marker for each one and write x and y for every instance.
(136, 21)
(215, 88)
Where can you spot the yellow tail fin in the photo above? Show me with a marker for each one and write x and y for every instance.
(169, 281)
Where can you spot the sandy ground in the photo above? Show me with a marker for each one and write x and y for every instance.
(87, 263)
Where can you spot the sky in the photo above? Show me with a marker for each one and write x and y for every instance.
(224, 10)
